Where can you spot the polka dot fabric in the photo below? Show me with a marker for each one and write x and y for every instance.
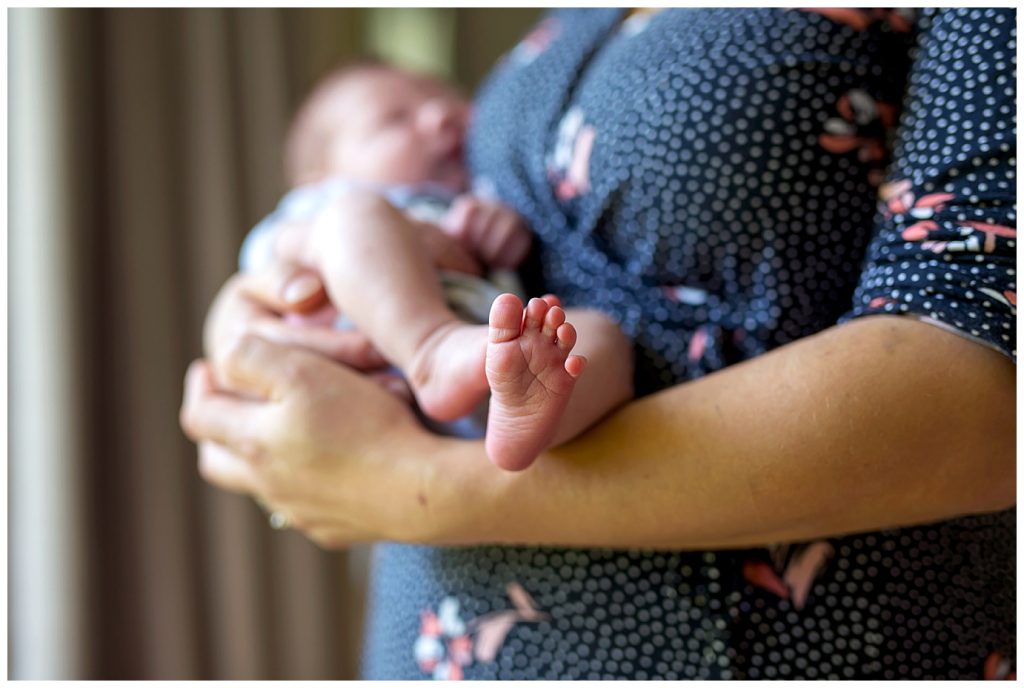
(723, 182)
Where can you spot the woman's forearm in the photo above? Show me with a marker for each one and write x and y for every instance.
(882, 422)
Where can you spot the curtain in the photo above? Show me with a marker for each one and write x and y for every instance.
(161, 132)
(143, 144)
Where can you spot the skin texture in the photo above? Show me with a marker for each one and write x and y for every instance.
(884, 421)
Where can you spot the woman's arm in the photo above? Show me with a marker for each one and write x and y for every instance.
(881, 422)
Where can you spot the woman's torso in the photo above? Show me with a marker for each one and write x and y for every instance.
(708, 177)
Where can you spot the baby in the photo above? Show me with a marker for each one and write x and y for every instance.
(369, 146)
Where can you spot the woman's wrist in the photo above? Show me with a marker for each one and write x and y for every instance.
(453, 490)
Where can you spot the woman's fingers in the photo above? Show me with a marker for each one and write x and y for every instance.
(257, 366)
(248, 297)
(345, 346)
(208, 414)
(286, 286)
(228, 471)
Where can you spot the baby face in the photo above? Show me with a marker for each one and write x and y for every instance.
(395, 127)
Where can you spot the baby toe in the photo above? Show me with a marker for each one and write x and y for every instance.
(574, 365)
(506, 318)
(552, 300)
(566, 337)
(552, 321)
(535, 312)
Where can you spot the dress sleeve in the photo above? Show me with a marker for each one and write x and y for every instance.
(943, 248)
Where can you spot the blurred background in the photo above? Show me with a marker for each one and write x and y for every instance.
(142, 146)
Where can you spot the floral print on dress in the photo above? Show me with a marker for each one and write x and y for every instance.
(863, 125)
(447, 644)
(999, 668)
(899, 20)
(443, 648)
(535, 42)
(899, 203)
(791, 571)
(636, 23)
(568, 164)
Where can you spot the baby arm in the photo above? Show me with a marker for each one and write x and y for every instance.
(293, 239)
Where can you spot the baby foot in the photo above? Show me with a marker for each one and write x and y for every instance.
(531, 375)
(447, 373)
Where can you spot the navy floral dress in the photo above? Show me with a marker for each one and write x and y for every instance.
(723, 182)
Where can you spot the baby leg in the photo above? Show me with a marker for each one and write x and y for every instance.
(377, 274)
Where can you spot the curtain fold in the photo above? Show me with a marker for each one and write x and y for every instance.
(167, 124)
(46, 538)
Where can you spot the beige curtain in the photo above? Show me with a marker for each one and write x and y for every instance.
(143, 144)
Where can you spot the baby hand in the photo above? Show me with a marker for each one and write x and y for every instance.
(495, 233)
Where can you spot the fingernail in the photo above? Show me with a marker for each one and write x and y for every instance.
(301, 288)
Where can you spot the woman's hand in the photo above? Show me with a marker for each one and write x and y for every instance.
(342, 459)
(255, 303)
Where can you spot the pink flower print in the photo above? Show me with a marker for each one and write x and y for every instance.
(796, 579)
(446, 644)
(692, 296)
(967, 229)
(861, 126)
(492, 629)
(535, 42)
(991, 231)
(698, 344)
(969, 243)
(578, 177)
(635, 23)
(569, 161)
(901, 20)
(1007, 298)
(448, 617)
(898, 200)
(895, 197)
(899, 203)
(880, 301)
(804, 567)
(999, 668)
(429, 623)
(443, 647)
(525, 605)
(763, 575)
(460, 649)
(428, 650)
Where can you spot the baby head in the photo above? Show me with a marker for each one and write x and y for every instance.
(375, 123)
